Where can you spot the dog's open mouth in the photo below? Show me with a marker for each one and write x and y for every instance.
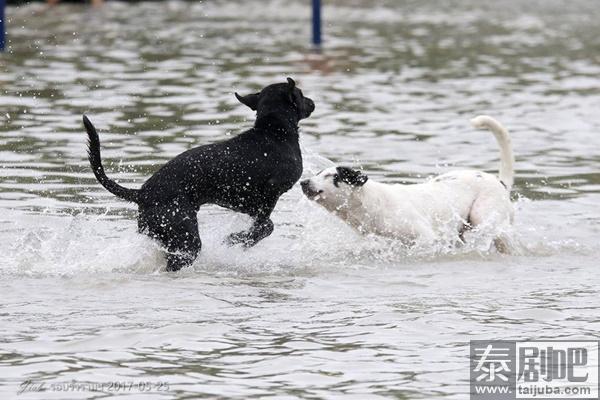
(310, 193)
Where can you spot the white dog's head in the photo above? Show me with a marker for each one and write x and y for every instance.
(335, 187)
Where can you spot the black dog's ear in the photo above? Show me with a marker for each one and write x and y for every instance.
(291, 86)
(250, 100)
(350, 176)
(292, 83)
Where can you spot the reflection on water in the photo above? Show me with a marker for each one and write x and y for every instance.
(315, 310)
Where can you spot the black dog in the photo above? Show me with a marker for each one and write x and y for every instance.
(247, 174)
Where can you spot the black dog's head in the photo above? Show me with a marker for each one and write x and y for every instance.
(279, 97)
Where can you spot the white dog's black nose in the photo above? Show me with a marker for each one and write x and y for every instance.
(308, 190)
(305, 184)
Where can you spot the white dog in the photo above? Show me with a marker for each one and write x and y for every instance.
(459, 200)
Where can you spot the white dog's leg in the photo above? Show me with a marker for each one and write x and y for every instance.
(494, 212)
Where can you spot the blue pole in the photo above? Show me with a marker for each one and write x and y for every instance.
(2, 24)
(316, 22)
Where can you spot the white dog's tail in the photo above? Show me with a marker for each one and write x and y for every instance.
(507, 158)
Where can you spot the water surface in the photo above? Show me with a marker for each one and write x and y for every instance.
(314, 311)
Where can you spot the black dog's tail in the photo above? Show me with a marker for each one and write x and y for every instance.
(96, 163)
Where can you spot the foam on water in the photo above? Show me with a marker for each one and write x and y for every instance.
(315, 310)
(307, 240)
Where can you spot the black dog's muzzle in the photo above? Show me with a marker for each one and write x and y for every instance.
(309, 107)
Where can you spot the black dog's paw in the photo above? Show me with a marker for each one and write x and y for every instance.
(242, 238)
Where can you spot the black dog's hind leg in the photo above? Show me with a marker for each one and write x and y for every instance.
(177, 229)
(181, 254)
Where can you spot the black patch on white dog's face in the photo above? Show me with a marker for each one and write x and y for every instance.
(278, 96)
(334, 187)
(349, 176)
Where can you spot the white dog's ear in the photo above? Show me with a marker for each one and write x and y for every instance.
(350, 176)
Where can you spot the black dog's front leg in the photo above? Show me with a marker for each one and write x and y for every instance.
(261, 228)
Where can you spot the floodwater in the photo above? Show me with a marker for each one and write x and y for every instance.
(315, 310)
